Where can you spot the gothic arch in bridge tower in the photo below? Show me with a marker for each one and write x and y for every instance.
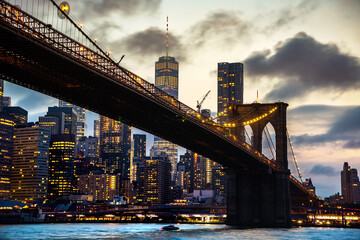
(269, 141)
(258, 116)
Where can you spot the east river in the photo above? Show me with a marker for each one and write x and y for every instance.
(153, 231)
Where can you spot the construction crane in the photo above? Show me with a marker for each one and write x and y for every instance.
(198, 105)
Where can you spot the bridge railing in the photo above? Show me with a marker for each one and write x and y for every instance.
(301, 186)
(34, 28)
(69, 47)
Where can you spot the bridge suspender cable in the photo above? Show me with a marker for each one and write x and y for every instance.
(248, 136)
(294, 158)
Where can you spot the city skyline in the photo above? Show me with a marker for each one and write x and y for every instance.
(321, 117)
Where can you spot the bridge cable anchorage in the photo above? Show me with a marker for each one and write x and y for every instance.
(293, 155)
(271, 146)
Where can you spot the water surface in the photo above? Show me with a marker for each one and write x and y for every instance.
(71, 231)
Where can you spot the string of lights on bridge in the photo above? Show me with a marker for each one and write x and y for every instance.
(210, 121)
(229, 125)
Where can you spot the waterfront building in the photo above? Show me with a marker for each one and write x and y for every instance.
(335, 200)
(309, 185)
(102, 186)
(29, 175)
(53, 123)
(6, 145)
(350, 185)
(155, 178)
(115, 147)
(61, 165)
(80, 114)
(19, 115)
(67, 117)
(230, 86)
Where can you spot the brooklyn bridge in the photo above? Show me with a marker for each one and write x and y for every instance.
(55, 56)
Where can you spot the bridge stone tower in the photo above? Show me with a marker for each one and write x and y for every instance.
(260, 195)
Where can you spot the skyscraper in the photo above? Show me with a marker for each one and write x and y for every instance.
(185, 174)
(97, 128)
(53, 123)
(230, 86)
(156, 180)
(101, 187)
(80, 113)
(167, 78)
(29, 176)
(115, 146)
(6, 146)
(19, 115)
(139, 145)
(350, 185)
(61, 165)
(1, 93)
(67, 117)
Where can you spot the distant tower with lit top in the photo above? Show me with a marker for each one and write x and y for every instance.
(167, 79)
(167, 71)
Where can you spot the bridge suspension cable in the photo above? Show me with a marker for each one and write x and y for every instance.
(48, 38)
(294, 158)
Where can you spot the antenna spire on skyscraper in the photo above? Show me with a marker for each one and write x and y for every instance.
(167, 36)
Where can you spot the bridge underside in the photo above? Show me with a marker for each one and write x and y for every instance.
(36, 65)
(32, 63)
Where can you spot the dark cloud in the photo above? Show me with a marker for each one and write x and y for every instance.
(151, 43)
(352, 144)
(323, 170)
(289, 15)
(105, 30)
(323, 114)
(345, 128)
(304, 65)
(122, 8)
(224, 27)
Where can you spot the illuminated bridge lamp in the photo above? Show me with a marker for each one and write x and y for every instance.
(65, 9)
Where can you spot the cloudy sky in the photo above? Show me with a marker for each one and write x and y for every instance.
(305, 53)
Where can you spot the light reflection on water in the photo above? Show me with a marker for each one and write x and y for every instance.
(152, 232)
